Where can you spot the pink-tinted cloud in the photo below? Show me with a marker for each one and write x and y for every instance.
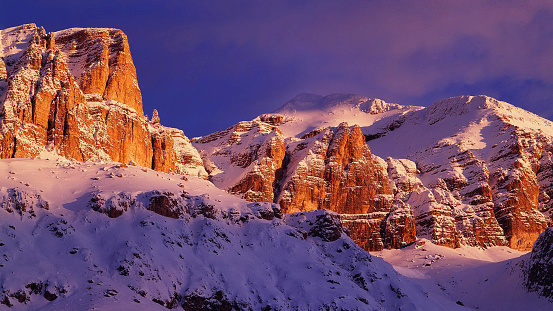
(382, 39)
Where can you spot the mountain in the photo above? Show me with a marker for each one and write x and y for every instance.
(103, 207)
(75, 92)
(469, 170)
(466, 170)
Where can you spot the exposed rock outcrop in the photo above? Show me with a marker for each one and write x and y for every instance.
(245, 159)
(101, 62)
(483, 170)
(539, 274)
(328, 169)
(516, 167)
(334, 170)
(75, 92)
(20, 202)
(3, 72)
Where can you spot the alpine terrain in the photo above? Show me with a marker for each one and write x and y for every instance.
(103, 207)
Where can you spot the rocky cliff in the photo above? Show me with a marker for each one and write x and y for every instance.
(466, 170)
(330, 169)
(539, 268)
(245, 159)
(484, 161)
(75, 92)
(334, 169)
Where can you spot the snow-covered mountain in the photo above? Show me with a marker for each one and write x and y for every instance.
(466, 170)
(307, 112)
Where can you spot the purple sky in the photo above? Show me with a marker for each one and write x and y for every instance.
(206, 65)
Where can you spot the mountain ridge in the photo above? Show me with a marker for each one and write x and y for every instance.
(460, 147)
(481, 164)
(274, 213)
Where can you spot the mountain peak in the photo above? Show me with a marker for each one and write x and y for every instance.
(307, 112)
(308, 102)
(459, 105)
(465, 102)
(75, 92)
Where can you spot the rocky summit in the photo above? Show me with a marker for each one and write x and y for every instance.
(468, 170)
(75, 92)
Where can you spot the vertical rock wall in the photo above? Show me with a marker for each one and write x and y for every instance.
(75, 92)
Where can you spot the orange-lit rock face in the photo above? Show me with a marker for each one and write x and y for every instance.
(379, 230)
(517, 188)
(334, 170)
(245, 159)
(3, 72)
(40, 97)
(101, 62)
(76, 92)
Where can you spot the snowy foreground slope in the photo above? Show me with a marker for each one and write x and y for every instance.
(480, 279)
(103, 235)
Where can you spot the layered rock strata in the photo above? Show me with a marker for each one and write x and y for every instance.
(75, 92)
(334, 169)
(245, 159)
(466, 170)
(329, 169)
(486, 173)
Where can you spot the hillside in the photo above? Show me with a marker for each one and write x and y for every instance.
(104, 235)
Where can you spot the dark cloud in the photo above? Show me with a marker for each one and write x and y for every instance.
(208, 64)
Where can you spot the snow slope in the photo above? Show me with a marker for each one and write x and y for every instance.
(480, 279)
(307, 112)
(103, 235)
(473, 122)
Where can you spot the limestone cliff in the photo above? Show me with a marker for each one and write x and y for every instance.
(333, 169)
(245, 159)
(467, 170)
(329, 169)
(483, 166)
(75, 92)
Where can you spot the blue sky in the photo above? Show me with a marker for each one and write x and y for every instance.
(205, 65)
